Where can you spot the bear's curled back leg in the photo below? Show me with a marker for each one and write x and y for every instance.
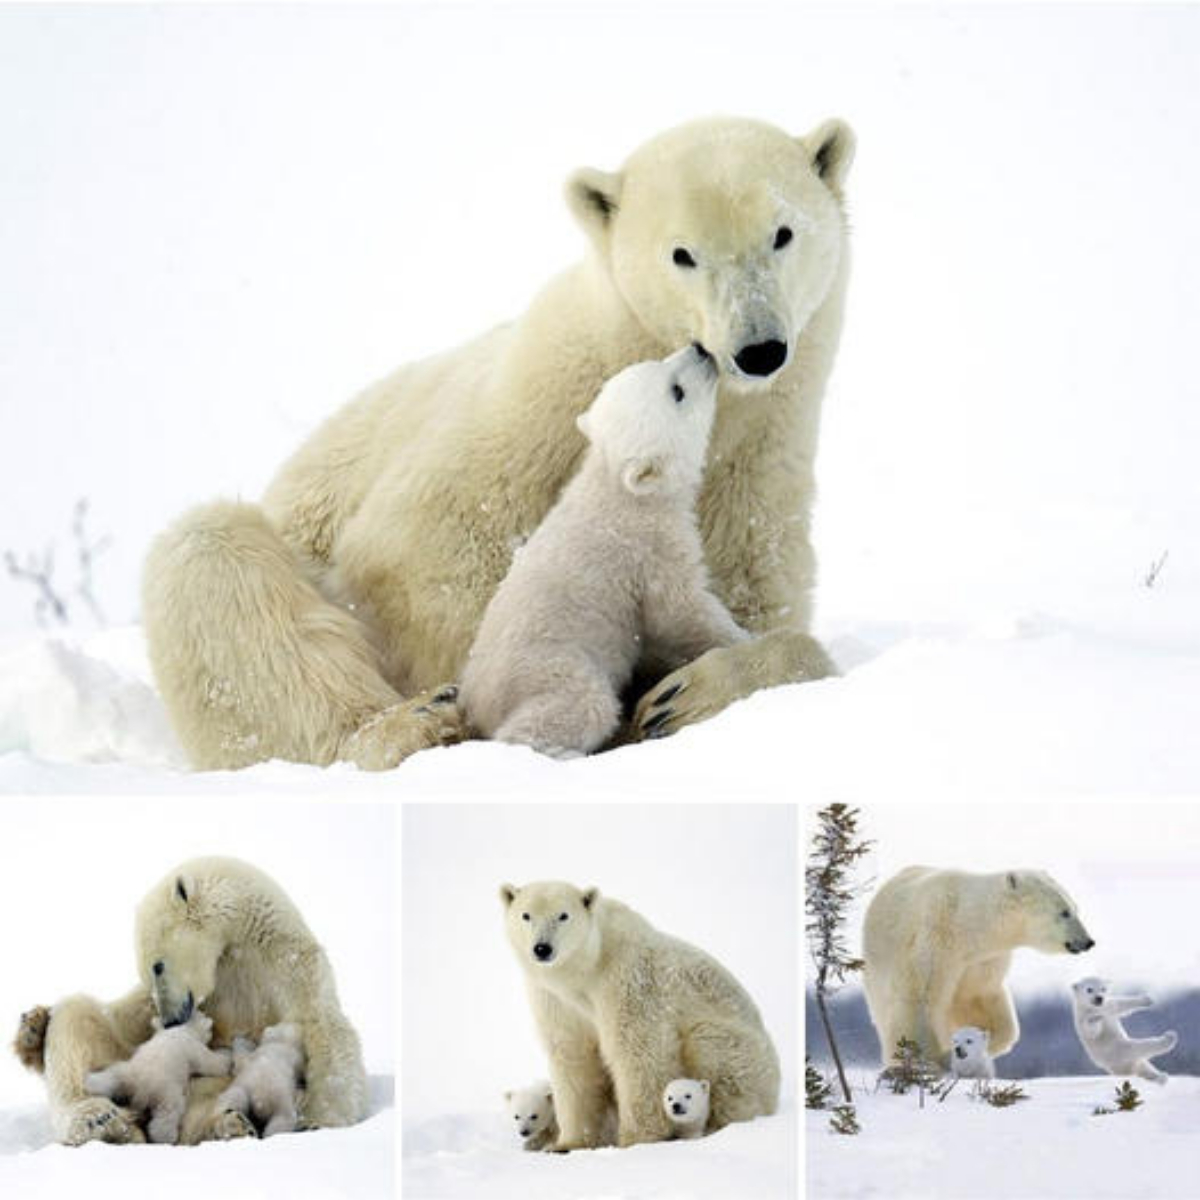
(253, 662)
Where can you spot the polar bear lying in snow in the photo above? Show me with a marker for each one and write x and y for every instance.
(1098, 1023)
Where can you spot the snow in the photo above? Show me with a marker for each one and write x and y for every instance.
(1047, 1146)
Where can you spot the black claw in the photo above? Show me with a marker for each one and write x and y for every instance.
(669, 694)
(447, 695)
(650, 724)
(661, 732)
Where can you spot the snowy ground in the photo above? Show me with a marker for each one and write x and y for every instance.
(477, 1157)
(1049, 1147)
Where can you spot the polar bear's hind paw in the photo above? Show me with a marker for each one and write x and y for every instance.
(100, 1120)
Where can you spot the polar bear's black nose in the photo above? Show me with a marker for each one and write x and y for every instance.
(159, 967)
(542, 951)
(1088, 944)
(677, 1109)
(762, 358)
(703, 354)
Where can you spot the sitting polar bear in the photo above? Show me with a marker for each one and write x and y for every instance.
(620, 1007)
(215, 934)
(266, 1080)
(685, 1102)
(1098, 1023)
(532, 1108)
(969, 1057)
(937, 945)
(612, 578)
(314, 626)
(153, 1083)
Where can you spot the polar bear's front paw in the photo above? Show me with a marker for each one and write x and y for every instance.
(431, 718)
(98, 1119)
(686, 697)
(231, 1125)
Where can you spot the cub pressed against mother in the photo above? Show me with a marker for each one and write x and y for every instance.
(321, 624)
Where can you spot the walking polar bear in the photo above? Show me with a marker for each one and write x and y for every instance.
(937, 946)
(621, 1008)
(322, 624)
(218, 935)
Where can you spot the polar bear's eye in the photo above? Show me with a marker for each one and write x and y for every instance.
(682, 257)
(524, 916)
(677, 392)
(563, 916)
(783, 235)
(1066, 916)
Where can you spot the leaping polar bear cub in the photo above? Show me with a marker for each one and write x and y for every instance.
(1098, 1023)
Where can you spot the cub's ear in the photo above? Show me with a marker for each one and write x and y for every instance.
(584, 425)
(185, 889)
(507, 1097)
(508, 893)
(594, 196)
(641, 476)
(830, 149)
(590, 897)
(704, 1086)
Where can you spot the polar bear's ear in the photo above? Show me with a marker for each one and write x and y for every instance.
(1012, 880)
(641, 476)
(185, 889)
(593, 196)
(508, 893)
(830, 149)
(590, 896)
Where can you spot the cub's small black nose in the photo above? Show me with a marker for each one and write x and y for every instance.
(542, 951)
(761, 359)
(677, 1109)
(159, 967)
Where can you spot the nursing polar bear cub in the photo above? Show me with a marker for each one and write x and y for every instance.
(216, 935)
(937, 945)
(622, 1007)
(614, 576)
(315, 626)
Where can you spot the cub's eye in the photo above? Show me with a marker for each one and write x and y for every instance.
(534, 1117)
(563, 916)
(1066, 916)
(683, 258)
(517, 1117)
(524, 916)
(783, 235)
(688, 1096)
(677, 392)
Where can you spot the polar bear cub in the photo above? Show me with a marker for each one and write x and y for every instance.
(266, 1079)
(613, 577)
(1098, 1023)
(154, 1081)
(532, 1108)
(969, 1057)
(686, 1105)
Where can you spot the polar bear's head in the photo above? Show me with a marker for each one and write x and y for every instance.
(531, 1108)
(651, 422)
(549, 923)
(1046, 917)
(968, 1046)
(724, 231)
(685, 1101)
(182, 930)
(1090, 993)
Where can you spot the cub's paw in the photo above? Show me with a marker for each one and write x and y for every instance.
(98, 1119)
(429, 719)
(30, 1043)
(231, 1125)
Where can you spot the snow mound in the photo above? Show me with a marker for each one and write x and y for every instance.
(1049, 1147)
(476, 1157)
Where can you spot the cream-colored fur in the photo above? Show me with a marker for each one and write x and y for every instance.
(969, 1057)
(685, 1101)
(266, 1080)
(317, 626)
(937, 946)
(153, 1084)
(1098, 1016)
(215, 934)
(531, 1110)
(620, 1007)
(614, 575)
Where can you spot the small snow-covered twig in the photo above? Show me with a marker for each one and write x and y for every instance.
(1151, 577)
(40, 573)
(86, 553)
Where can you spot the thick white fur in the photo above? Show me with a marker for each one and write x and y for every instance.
(153, 1084)
(298, 628)
(685, 1101)
(937, 946)
(531, 1110)
(969, 1057)
(613, 576)
(230, 941)
(266, 1079)
(620, 1007)
(1098, 1024)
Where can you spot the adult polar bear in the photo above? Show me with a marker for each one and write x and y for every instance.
(219, 934)
(318, 626)
(937, 945)
(624, 1009)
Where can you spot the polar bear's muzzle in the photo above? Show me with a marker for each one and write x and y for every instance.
(1079, 945)
(180, 1015)
(960, 1052)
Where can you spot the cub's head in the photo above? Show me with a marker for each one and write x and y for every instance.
(651, 422)
(726, 232)
(685, 1101)
(549, 923)
(180, 937)
(531, 1109)
(1046, 914)
(1089, 994)
(969, 1044)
